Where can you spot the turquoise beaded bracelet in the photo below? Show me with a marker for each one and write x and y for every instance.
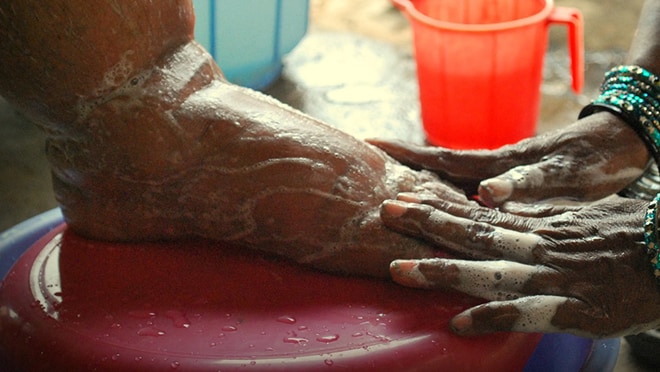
(633, 94)
(651, 234)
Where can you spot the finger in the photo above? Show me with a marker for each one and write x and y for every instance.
(439, 189)
(510, 185)
(420, 157)
(462, 235)
(526, 314)
(490, 280)
(451, 164)
(524, 298)
(557, 176)
(473, 211)
(537, 210)
(461, 208)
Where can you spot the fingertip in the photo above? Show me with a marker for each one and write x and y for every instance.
(383, 143)
(406, 273)
(408, 197)
(400, 269)
(461, 324)
(374, 141)
(393, 208)
(495, 191)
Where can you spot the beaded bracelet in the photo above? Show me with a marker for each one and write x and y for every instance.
(651, 235)
(633, 94)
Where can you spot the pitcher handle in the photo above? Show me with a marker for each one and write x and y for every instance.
(572, 18)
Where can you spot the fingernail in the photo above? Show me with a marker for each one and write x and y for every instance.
(461, 323)
(408, 197)
(497, 190)
(403, 266)
(394, 208)
(406, 272)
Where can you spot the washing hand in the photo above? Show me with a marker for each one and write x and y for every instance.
(571, 269)
(595, 157)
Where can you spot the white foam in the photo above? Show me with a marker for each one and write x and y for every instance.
(515, 245)
(537, 313)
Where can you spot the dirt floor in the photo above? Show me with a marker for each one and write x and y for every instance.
(609, 24)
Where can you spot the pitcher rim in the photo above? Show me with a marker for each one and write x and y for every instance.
(408, 7)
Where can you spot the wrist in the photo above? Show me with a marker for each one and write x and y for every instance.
(632, 94)
(596, 118)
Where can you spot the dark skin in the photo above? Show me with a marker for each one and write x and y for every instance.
(588, 160)
(546, 269)
(148, 141)
(579, 267)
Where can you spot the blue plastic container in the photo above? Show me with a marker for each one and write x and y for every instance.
(249, 38)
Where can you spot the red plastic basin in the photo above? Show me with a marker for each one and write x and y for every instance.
(71, 304)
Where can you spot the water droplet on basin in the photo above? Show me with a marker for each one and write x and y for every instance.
(141, 314)
(287, 319)
(229, 328)
(178, 318)
(295, 340)
(328, 338)
(150, 331)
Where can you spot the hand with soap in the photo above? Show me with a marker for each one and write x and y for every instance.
(591, 268)
(590, 159)
(568, 269)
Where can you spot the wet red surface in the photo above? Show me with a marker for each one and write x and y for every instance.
(70, 303)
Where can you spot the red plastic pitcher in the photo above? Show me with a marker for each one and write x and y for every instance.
(480, 65)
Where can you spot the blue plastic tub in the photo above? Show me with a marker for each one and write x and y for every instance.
(249, 38)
